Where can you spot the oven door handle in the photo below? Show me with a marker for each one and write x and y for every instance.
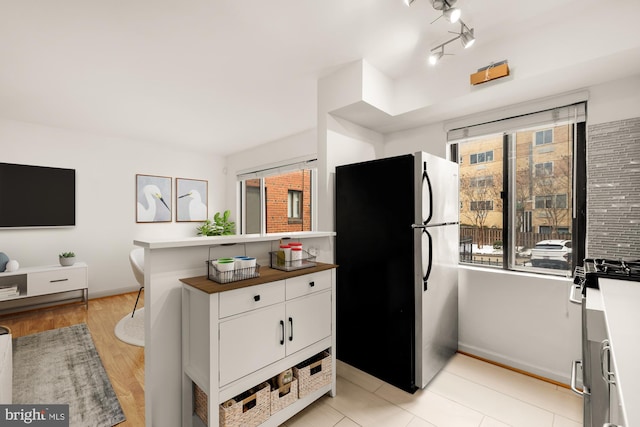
(574, 375)
(605, 357)
(572, 294)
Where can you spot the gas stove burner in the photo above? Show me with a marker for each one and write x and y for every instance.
(612, 268)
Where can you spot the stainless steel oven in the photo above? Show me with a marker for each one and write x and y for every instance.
(593, 392)
(598, 382)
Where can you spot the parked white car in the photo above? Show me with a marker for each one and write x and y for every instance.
(552, 254)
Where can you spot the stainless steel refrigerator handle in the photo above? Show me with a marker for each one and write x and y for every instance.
(607, 375)
(428, 273)
(574, 374)
(425, 177)
(572, 292)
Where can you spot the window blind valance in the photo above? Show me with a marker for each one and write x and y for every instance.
(567, 114)
(278, 170)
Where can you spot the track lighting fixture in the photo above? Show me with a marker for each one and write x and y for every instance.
(452, 14)
(466, 37)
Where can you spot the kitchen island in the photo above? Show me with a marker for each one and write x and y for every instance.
(166, 262)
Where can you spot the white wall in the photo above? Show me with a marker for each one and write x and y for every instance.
(105, 198)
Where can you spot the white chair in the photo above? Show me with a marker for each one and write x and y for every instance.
(136, 258)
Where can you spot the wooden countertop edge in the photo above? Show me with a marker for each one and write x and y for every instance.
(267, 275)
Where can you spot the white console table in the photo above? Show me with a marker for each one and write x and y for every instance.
(6, 370)
(46, 280)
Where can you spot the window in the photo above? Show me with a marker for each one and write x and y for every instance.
(524, 196)
(482, 181)
(279, 199)
(294, 210)
(483, 157)
(544, 169)
(483, 205)
(544, 137)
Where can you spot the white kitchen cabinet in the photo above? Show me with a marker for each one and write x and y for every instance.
(238, 335)
(250, 342)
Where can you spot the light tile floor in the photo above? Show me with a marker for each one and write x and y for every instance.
(467, 393)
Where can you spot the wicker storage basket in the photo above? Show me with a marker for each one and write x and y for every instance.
(313, 373)
(284, 396)
(247, 411)
(200, 402)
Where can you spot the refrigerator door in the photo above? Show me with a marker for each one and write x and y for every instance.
(375, 317)
(436, 240)
(436, 300)
(439, 198)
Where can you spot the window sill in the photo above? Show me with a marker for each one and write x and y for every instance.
(514, 273)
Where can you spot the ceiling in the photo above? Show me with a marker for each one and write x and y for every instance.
(226, 75)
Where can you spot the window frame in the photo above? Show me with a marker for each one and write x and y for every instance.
(574, 117)
(307, 164)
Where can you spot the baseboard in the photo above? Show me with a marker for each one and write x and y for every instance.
(561, 379)
(113, 292)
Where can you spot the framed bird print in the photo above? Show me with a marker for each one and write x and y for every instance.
(153, 198)
(191, 200)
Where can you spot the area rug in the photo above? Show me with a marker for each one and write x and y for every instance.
(62, 366)
(131, 329)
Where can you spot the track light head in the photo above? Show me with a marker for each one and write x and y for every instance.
(408, 2)
(452, 14)
(467, 38)
(435, 56)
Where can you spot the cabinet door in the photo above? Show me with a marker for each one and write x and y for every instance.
(308, 320)
(250, 342)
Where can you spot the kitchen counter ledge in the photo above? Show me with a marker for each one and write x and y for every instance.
(228, 240)
(267, 275)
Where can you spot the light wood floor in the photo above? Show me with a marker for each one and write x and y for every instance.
(124, 363)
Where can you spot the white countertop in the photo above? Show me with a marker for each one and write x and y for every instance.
(621, 301)
(224, 240)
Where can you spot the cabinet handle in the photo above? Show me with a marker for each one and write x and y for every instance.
(290, 329)
(256, 298)
(282, 330)
(58, 280)
(607, 375)
(312, 284)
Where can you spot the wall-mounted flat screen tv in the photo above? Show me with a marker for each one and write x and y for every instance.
(37, 196)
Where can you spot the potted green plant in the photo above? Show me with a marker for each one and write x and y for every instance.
(67, 258)
(219, 226)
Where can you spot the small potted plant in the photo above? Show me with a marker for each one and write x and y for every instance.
(67, 259)
(220, 226)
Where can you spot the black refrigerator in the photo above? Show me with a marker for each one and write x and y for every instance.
(397, 255)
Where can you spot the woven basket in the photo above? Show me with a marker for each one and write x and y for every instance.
(200, 403)
(248, 412)
(284, 396)
(313, 374)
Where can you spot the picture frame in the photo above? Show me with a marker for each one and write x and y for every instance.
(153, 198)
(192, 202)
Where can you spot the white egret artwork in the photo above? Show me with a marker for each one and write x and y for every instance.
(153, 198)
(191, 200)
